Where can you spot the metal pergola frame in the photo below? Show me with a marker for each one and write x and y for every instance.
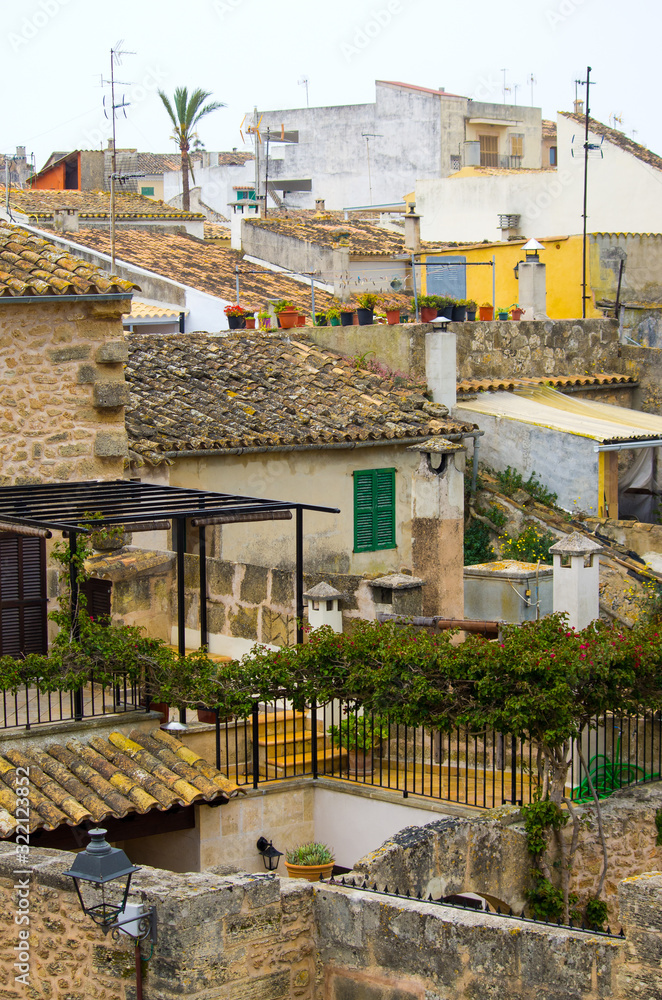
(66, 507)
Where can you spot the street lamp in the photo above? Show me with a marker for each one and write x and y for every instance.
(102, 876)
(270, 855)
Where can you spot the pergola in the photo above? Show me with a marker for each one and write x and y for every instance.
(66, 507)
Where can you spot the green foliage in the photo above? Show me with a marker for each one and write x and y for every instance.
(313, 853)
(538, 818)
(546, 900)
(511, 480)
(531, 545)
(497, 516)
(359, 732)
(477, 545)
(282, 305)
(596, 913)
(658, 826)
(368, 300)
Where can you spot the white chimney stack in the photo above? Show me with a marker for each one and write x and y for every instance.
(577, 578)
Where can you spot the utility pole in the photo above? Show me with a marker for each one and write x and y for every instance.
(585, 213)
(113, 170)
(256, 137)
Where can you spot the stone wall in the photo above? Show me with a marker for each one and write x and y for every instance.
(488, 350)
(636, 536)
(645, 365)
(62, 391)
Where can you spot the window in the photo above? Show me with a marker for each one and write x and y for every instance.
(97, 595)
(517, 145)
(148, 192)
(22, 595)
(489, 150)
(552, 156)
(374, 510)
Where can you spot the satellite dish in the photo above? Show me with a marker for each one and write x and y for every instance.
(396, 284)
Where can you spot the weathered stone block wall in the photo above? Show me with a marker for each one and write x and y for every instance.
(62, 391)
(645, 365)
(636, 536)
(488, 350)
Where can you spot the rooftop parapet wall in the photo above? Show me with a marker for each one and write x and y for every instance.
(488, 350)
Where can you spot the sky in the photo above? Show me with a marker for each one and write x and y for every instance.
(55, 53)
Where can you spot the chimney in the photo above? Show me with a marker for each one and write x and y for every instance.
(319, 205)
(579, 107)
(66, 220)
(20, 152)
(412, 229)
(577, 578)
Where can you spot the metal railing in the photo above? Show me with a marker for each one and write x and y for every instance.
(31, 706)
(275, 743)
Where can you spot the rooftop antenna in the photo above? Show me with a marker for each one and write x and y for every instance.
(505, 88)
(368, 136)
(116, 54)
(303, 82)
(531, 81)
(613, 118)
(515, 89)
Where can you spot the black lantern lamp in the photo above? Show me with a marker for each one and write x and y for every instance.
(99, 865)
(270, 855)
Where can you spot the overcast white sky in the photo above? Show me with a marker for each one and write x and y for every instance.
(255, 52)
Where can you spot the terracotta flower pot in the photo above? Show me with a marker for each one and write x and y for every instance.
(301, 319)
(428, 313)
(361, 762)
(393, 316)
(288, 319)
(486, 313)
(312, 873)
(516, 314)
(250, 322)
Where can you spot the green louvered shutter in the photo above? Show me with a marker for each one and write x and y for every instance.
(374, 510)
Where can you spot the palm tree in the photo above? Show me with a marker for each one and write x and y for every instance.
(185, 116)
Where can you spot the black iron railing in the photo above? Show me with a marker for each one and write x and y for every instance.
(276, 743)
(31, 706)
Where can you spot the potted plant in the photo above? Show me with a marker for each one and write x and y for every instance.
(460, 311)
(360, 735)
(428, 304)
(265, 319)
(486, 311)
(471, 310)
(367, 303)
(333, 315)
(320, 319)
(311, 861)
(250, 319)
(347, 311)
(446, 306)
(502, 312)
(515, 312)
(301, 319)
(286, 313)
(235, 315)
(392, 310)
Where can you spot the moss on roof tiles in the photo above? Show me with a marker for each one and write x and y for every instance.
(92, 204)
(30, 265)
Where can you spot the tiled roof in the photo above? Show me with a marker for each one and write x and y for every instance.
(473, 385)
(215, 231)
(160, 163)
(617, 138)
(30, 265)
(201, 265)
(81, 782)
(423, 90)
(250, 390)
(358, 236)
(153, 310)
(92, 205)
(548, 129)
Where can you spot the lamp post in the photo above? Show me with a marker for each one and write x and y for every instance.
(93, 872)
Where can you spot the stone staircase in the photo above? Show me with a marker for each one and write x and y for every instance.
(285, 746)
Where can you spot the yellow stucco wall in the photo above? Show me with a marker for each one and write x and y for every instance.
(562, 256)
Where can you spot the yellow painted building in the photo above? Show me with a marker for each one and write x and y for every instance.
(563, 259)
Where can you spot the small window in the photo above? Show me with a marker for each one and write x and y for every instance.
(517, 145)
(374, 510)
(329, 605)
(552, 156)
(489, 150)
(148, 192)
(385, 595)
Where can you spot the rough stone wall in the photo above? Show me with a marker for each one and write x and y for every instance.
(62, 391)
(645, 365)
(644, 539)
(489, 350)
(238, 937)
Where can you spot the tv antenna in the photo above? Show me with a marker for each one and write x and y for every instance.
(531, 81)
(116, 54)
(516, 87)
(614, 118)
(505, 88)
(303, 82)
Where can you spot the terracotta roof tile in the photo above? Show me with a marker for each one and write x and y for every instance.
(197, 392)
(40, 205)
(30, 265)
(473, 385)
(548, 129)
(358, 236)
(160, 163)
(617, 138)
(81, 782)
(201, 265)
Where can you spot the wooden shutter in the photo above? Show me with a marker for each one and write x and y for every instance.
(97, 593)
(374, 510)
(489, 150)
(23, 602)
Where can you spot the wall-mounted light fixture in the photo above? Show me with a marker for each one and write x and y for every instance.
(270, 855)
